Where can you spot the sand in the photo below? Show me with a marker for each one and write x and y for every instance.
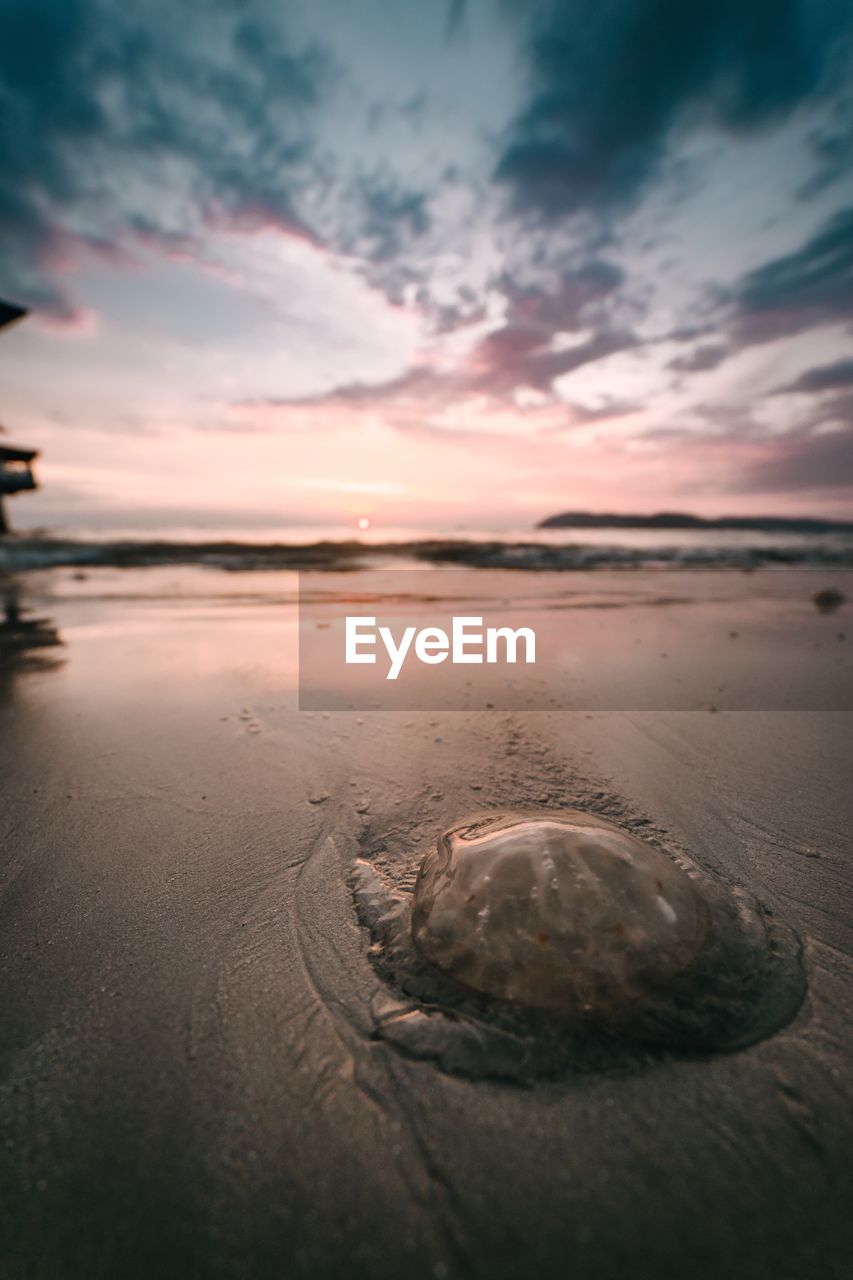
(192, 1082)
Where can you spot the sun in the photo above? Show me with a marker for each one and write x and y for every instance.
(362, 522)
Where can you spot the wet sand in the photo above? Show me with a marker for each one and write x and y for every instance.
(192, 1079)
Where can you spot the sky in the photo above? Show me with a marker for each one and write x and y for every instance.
(464, 263)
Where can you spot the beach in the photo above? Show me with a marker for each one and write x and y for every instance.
(426, 641)
(195, 1076)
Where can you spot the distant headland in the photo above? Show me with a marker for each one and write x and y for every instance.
(679, 520)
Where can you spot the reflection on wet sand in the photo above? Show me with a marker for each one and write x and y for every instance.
(24, 639)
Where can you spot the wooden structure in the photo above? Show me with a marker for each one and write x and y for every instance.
(16, 472)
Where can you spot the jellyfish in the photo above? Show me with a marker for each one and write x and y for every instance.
(566, 912)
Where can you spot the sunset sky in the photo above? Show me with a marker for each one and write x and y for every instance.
(438, 264)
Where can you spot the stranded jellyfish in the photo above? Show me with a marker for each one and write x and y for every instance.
(568, 913)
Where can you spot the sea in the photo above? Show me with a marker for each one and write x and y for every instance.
(295, 546)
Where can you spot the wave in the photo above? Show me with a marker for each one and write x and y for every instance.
(19, 553)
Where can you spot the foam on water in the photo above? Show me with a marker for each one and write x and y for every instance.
(553, 549)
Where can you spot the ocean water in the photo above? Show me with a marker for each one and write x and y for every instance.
(298, 546)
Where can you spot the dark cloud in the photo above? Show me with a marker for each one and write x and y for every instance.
(420, 382)
(115, 115)
(388, 220)
(700, 359)
(522, 353)
(468, 308)
(575, 292)
(816, 455)
(804, 461)
(832, 150)
(455, 17)
(612, 78)
(610, 408)
(41, 107)
(825, 377)
(813, 285)
(515, 356)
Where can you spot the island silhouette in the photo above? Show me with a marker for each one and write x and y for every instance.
(682, 520)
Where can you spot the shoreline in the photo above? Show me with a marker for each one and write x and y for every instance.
(22, 553)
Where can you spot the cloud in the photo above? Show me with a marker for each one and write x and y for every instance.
(811, 286)
(524, 351)
(388, 220)
(612, 80)
(832, 149)
(515, 356)
(825, 377)
(803, 461)
(114, 125)
(708, 356)
(609, 410)
(510, 369)
(814, 455)
(455, 17)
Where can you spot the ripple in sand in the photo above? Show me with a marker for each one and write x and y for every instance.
(534, 940)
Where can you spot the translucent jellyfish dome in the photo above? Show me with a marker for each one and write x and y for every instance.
(567, 912)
